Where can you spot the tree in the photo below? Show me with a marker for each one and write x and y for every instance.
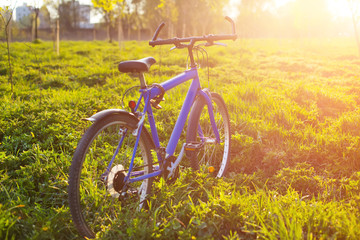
(185, 17)
(137, 15)
(74, 7)
(52, 8)
(65, 15)
(25, 22)
(45, 16)
(36, 11)
(152, 15)
(355, 14)
(107, 9)
(211, 17)
(66, 11)
(184, 7)
(6, 17)
(169, 13)
(120, 20)
(36, 17)
(55, 9)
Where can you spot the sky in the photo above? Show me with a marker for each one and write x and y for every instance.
(339, 8)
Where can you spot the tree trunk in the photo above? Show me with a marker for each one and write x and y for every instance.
(57, 37)
(138, 23)
(74, 8)
(128, 29)
(170, 23)
(120, 32)
(8, 41)
(32, 29)
(36, 27)
(108, 27)
(9, 33)
(53, 33)
(36, 22)
(108, 32)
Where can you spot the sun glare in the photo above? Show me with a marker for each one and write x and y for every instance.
(339, 8)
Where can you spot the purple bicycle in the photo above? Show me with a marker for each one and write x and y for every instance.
(117, 158)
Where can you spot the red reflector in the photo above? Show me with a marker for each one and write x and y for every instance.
(132, 104)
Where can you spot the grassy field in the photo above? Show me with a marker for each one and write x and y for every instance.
(295, 116)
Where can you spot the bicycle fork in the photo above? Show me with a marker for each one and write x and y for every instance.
(206, 94)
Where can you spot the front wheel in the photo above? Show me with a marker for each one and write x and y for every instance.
(97, 196)
(212, 156)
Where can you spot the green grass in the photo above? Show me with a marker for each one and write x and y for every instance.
(294, 110)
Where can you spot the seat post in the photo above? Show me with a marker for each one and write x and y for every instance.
(142, 80)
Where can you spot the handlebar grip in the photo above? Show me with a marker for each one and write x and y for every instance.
(232, 24)
(153, 43)
(158, 31)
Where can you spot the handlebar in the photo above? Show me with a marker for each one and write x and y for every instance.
(177, 41)
(232, 24)
(158, 31)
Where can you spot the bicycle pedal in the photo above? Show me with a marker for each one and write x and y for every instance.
(193, 146)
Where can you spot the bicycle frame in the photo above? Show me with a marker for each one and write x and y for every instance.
(149, 93)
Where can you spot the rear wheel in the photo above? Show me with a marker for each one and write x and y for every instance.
(95, 200)
(212, 156)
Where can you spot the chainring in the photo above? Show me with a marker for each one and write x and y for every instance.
(166, 172)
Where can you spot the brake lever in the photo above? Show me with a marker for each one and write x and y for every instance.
(179, 46)
(211, 44)
(219, 44)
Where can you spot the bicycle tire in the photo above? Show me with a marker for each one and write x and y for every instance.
(88, 194)
(213, 157)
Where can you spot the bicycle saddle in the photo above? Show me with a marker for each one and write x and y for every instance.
(137, 66)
